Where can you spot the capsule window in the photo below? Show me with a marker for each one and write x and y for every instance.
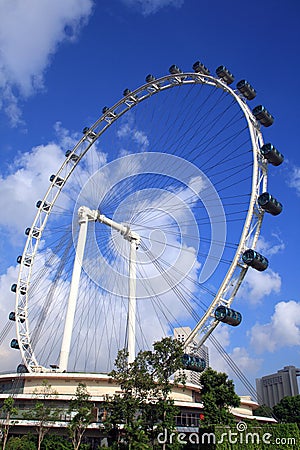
(194, 363)
(228, 315)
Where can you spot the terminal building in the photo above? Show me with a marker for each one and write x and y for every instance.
(272, 388)
(24, 389)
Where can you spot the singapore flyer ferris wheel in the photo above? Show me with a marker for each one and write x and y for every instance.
(150, 224)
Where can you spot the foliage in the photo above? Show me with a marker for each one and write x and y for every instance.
(54, 442)
(288, 410)
(21, 443)
(42, 412)
(134, 418)
(218, 396)
(8, 410)
(81, 412)
(263, 411)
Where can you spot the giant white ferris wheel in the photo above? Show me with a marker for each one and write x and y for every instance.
(150, 224)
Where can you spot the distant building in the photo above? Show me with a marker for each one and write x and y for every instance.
(272, 388)
(181, 334)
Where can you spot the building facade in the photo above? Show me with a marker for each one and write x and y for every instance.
(272, 388)
(24, 387)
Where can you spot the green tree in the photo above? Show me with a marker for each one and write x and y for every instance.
(144, 407)
(21, 443)
(42, 412)
(288, 410)
(218, 396)
(263, 411)
(8, 410)
(81, 411)
(55, 442)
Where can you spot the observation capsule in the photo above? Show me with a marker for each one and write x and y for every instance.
(12, 316)
(15, 344)
(27, 260)
(228, 315)
(272, 154)
(89, 133)
(22, 369)
(224, 74)
(58, 181)
(174, 70)
(27, 231)
(194, 363)
(198, 67)
(74, 157)
(126, 92)
(150, 78)
(263, 116)
(105, 109)
(45, 206)
(267, 202)
(255, 260)
(246, 89)
(14, 286)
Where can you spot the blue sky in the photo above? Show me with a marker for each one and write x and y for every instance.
(61, 63)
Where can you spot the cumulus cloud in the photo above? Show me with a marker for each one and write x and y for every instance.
(258, 285)
(283, 329)
(27, 181)
(30, 33)
(147, 7)
(24, 185)
(246, 363)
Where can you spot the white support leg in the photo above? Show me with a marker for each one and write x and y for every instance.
(131, 319)
(66, 342)
(86, 214)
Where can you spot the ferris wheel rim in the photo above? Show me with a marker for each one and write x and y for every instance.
(132, 99)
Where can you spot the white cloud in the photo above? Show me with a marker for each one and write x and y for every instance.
(257, 285)
(30, 33)
(283, 329)
(294, 181)
(147, 7)
(246, 363)
(27, 181)
(268, 248)
(139, 137)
